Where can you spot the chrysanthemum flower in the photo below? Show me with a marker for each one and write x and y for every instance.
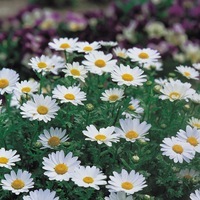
(8, 79)
(41, 194)
(194, 122)
(132, 130)
(188, 72)
(75, 70)
(108, 43)
(195, 195)
(40, 108)
(118, 196)
(124, 75)
(112, 95)
(52, 138)
(103, 135)
(191, 136)
(86, 47)
(195, 98)
(8, 158)
(127, 182)
(57, 63)
(97, 62)
(69, 95)
(145, 55)
(176, 150)
(188, 174)
(64, 44)
(59, 166)
(119, 52)
(176, 90)
(17, 182)
(88, 177)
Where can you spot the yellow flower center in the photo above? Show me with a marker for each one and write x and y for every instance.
(18, 184)
(75, 72)
(3, 83)
(87, 48)
(178, 148)
(100, 137)
(65, 46)
(193, 141)
(54, 141)
(187, 176)
(69, 96)
(61, 168)
(187, 74)
(26, 89)
(100, 63)
(88, 179)
(197, 125)
(174, 95)
(127, 185)
(143, 55)
(122, 55)
(3, 160)
(42, 65)
(131, 135)
(131, 107)
(113, 97)
(127, 77)
(42, 110)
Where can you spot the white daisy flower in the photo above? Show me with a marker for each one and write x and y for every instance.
(75, 70)
(52, 138)
(191, 136)
(196, 66)
(132, 130)
(41, 194)
(89, 177)
(188, 174)
(142, 56)
(127, 182)
(103, 135)
(66, 44)
(156, 66)
(97, 62)
(161, 81)
(8, 158)
(8, 79)
(176, 90)
(195, 195)
(86, 47)
(120, 52)
(40, 108)
(176, 150)
(118, 196)
(194, 122)
(17, 182)
(71, 94)
(112, 95)
(195, 98)
(108, 43)
(59, 166)
(57, 63)
(188, 72)
(125, 75)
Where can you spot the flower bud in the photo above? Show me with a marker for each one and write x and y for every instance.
(136, 158)
(89, 107)
(38, 144)
(157, 88)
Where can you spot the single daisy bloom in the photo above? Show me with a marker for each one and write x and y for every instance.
(176, 90)
(120, 52)
(194, 122)
(191, 136)
(103, 135)
(64, 44)
(108, 43)
(75, 70)
(72, 94)
(89, 177)
(17, 182)
(41, 194)
(188, 174)
(142, 56)
(126, 182)
(112, 95)
(57, 63)
(125, 75)
(118, 196)
(8, 158)
(195, 195)
(40, 108)
(132, 130)
(195, 98)
(177, 150)
(188, 72)
(86, 47)
(59, 166)
(156, 66)
(8, 79)
(196, 66)
(97, 62)
(52, 138)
